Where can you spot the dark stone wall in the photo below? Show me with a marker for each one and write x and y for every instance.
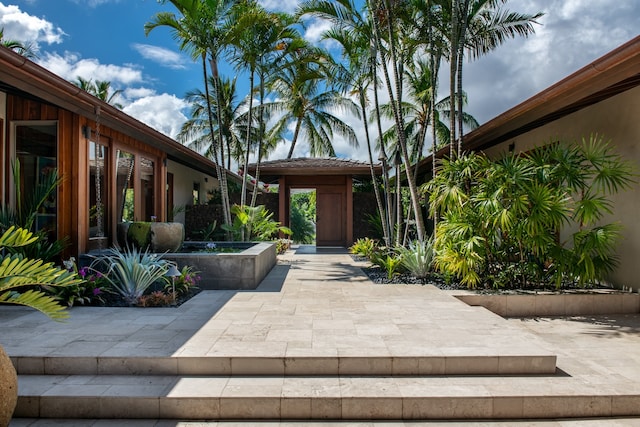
(199, 217)
(364, 204)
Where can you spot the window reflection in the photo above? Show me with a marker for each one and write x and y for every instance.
(125, 178)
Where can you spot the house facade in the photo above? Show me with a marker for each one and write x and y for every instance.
(113, 167)
(602, 98)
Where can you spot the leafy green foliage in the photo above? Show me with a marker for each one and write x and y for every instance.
(131, 272)
(388, 260)
(185, 283)
(20, 277)
(254, 223)
(24, 215)
(501, 221)
(208, 232)
(303, 214)
(417, 258)
(364, 247)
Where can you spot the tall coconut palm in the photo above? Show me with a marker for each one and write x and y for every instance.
(478, 26)
(384, 14)
(195, 132)
(201, 30)
(256, 38)
(353, 32)
(305, 101)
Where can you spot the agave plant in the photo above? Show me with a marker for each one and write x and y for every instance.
(417, 258)
(21, 277)
(131, 271)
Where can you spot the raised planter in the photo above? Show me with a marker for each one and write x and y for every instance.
(576, 303)
(242, 270)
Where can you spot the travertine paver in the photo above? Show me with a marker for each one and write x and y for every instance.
(311, 304)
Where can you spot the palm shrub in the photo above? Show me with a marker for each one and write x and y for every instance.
(131, 271)
(254, 223)
(21, 277)
(500, 221)
(417, 258)
(388, 260)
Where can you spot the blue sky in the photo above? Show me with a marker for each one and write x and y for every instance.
(105, 40)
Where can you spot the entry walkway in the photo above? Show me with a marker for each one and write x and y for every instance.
(317, 339)
(313, 304)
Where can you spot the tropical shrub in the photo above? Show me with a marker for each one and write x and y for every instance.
(90, 291)
(25, 213)
(388, 260)
(130, 271)
(21, 278)
(364, 247)
(185, 283)
(254, 223)
(417, 258)
(500, 222)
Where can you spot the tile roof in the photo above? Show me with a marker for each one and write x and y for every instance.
(315, 166)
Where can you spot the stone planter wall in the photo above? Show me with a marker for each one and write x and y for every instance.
(566, 304)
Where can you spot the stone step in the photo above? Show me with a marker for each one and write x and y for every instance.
(307, 398)
(536, 364)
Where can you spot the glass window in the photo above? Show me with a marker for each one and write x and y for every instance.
(125, 179)
(37, 151)
(147, 188)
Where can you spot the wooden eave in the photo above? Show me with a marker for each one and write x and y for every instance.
(270, 171)
(613, 73)
(21, 76)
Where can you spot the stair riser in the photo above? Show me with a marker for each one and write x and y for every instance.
(441, 408)
(307, 366)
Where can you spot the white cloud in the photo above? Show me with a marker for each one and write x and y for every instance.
(164, 57)
(161, 112)
(136, 93)
(21, 26)
(70, 66)
(94, 3)
(280, 5)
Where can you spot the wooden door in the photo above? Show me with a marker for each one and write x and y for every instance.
(330, 218)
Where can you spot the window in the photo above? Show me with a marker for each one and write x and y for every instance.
(36, 148)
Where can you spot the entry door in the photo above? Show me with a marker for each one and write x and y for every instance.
(330, 218)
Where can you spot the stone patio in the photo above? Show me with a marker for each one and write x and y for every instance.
(318, 340)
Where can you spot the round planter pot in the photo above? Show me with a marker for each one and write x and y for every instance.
(166, 236)
(157, 237)
(8, 388)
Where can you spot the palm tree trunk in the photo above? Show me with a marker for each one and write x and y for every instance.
(295, 137)
(243, 195)
(261, 125)
(464, 13)
(399, 121)
(376, 190)
(453, 63)
(224, 188)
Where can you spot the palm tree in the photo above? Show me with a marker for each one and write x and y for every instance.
(353, 32)
(26, 50)
(384, 14)
(195, 132)
(304, 100)
(255, 39)
(202, 31)
(478, 26)
(101, 89)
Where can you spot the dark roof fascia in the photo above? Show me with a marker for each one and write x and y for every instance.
(611, 74)
(29, 78)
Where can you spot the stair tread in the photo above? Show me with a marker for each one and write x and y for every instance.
(308, 387)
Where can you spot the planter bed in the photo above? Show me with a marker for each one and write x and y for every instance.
(568, 303)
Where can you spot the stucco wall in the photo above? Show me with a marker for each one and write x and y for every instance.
(183, 180)
(617, 119)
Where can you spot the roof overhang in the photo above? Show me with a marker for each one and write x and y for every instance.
(22, 76)
(613, 73)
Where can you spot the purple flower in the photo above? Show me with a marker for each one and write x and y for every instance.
(96, 291)
(82, 272)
